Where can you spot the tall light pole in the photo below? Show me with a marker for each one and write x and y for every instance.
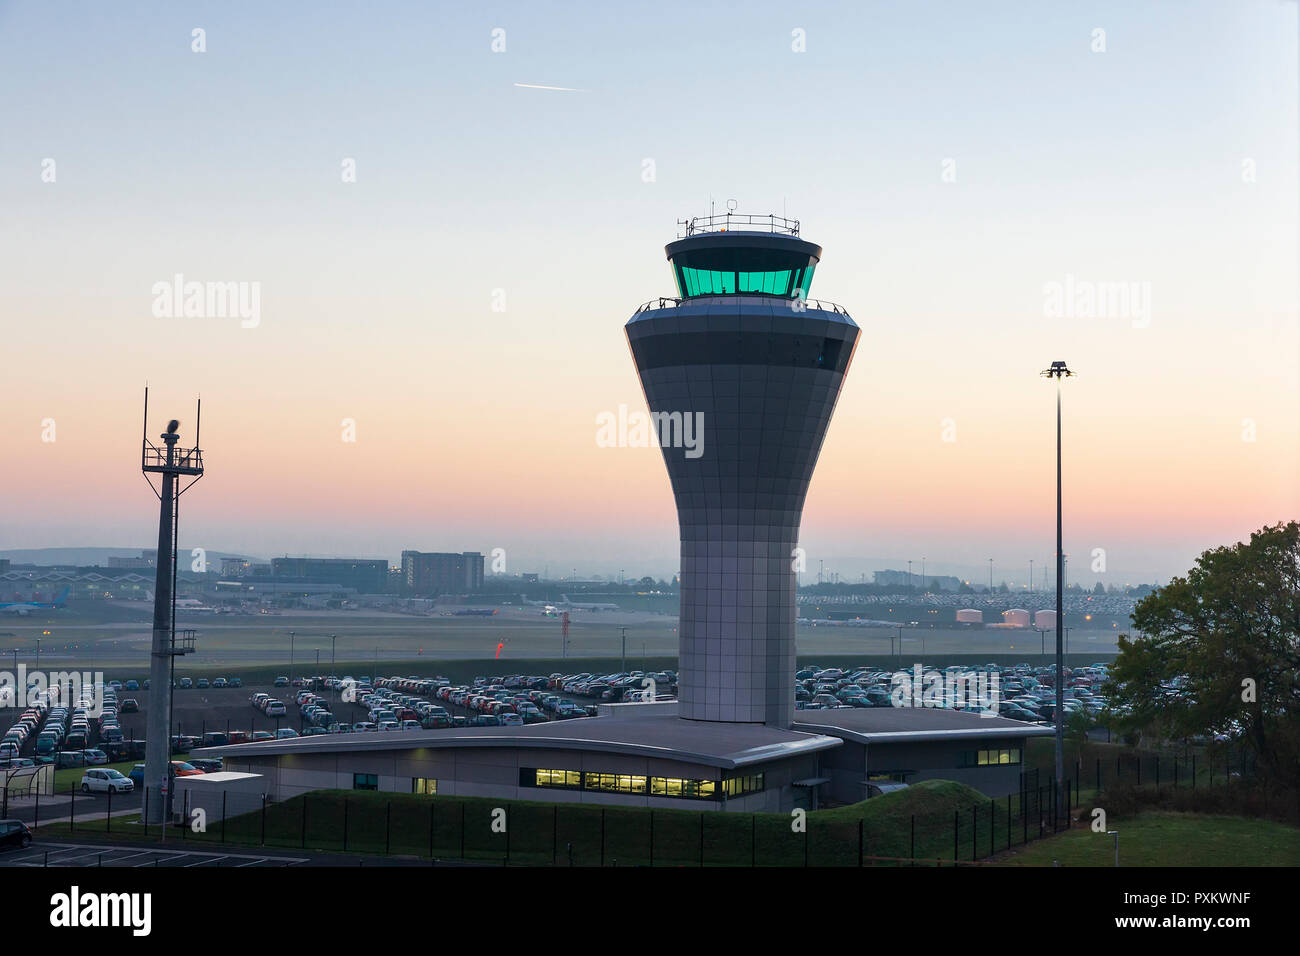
(291, 658)
(1031, 575)
(909, 575)
(990, 575)
(1058, 371)
(333, 671)
(923, 575)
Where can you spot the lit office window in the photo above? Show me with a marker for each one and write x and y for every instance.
(1009, 756)
(637, 784)
(738, 786)
(424, 785)
(570, 779)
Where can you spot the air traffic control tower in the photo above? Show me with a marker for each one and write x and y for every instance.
(745, 348)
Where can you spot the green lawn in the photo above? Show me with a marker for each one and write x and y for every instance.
(1169, 839)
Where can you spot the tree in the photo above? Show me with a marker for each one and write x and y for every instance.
(1220, 652)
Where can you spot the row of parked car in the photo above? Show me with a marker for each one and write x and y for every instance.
(1023, 692)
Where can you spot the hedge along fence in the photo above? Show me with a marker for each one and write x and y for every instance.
(935, 822)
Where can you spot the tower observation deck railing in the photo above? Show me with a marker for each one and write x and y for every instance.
(726, 222)
(186, 461)
(666, 302)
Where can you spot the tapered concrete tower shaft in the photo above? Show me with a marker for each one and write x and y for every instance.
(756, 370)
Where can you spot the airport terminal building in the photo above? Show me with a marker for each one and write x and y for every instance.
(743, 353)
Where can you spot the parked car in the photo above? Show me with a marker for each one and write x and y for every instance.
(94, 756)
(106, 780)
(281, 682)
(137, 775)
(15, 833)
(132, 685)
(236, 682)
(203, 683)
(220, 682)
(186, 683)
(182, 769)
(130, 706)
(207, 765)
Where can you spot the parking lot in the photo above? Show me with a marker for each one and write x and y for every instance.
(43, 854)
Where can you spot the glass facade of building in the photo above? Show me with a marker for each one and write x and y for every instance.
(640, 785)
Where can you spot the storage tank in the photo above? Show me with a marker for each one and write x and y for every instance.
(1046, 620)
(970, 615)
(1016, 617)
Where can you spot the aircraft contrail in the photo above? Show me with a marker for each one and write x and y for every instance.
(558, 89)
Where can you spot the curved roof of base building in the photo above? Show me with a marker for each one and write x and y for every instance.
(710, 743)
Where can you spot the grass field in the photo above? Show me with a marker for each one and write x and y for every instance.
(112, 636)
(1168, 839)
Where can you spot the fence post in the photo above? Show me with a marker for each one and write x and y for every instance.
(304, 821)
(652, 838)
(345, 829)
(462, 829)
(224, 794)
(72, 809)
(956, 817)
(602, 837)
(36, 821)
(993, 824)
(1099, 775)
(555, 834)
(432, 820)
(912, 852)
(263, 819)
(108, 814)
(974, 831)
(388, 827)
(860, 827)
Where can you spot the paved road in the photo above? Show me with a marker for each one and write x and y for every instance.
(73, 851)
(58, 807)
(41, 854)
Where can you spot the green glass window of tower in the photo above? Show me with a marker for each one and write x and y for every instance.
(792, 282)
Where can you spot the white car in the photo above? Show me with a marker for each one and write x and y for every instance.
(106, 781)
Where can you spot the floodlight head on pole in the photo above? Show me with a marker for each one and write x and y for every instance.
(1058, 370)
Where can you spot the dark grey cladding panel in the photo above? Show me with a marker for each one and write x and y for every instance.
(752, 334)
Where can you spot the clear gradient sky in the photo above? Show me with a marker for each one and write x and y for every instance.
(476, 429)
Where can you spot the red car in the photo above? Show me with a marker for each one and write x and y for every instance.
(183, 769)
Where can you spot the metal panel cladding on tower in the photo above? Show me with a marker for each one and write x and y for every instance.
(754, 366)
